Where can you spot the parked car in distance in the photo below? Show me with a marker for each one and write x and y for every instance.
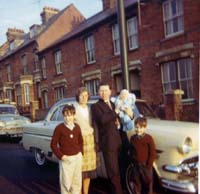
(176, 165)
(10, 121)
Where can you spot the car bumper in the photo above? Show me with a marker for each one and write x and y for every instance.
(13, 132)
(180, 186)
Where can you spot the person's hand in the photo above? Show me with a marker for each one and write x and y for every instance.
(117, 122)
(129, 112)
(64, 158)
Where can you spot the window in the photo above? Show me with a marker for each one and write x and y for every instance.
(178, 75)
(173, 17)
(27, 93)
(57, 115)
(118, 82)
(92, 86)
(58, 62)
(9, 94)
(18, 95)
(90, 49)
(59, 93)
(36, 62)
(24, 64)
(1, 95)
(8, 71)
(44, 70)
(45, 99)
(132, 31)
(115, 36)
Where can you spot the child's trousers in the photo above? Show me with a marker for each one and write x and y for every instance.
(71, 174)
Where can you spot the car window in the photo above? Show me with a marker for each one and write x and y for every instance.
(145, 110)
(57, 114)
(60, 115)
(8, 110)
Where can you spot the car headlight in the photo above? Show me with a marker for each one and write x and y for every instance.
(187, 146)
(2, 124)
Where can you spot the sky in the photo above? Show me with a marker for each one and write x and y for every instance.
(22, 14)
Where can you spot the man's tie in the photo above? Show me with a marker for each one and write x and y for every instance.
(109, 104)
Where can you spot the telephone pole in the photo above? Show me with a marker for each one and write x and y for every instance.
(123, 43)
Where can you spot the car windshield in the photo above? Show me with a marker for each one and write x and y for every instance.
(142, 108)
(8, 110)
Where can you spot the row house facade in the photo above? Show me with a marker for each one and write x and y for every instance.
(163, 55)
(19, 61)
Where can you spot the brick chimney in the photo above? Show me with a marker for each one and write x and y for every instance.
(14, 33)
(109, 4)
(47, 13)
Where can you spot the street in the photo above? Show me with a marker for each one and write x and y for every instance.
(19, 173)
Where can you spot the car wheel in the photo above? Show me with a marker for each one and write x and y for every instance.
(129, 179)
(39, 157)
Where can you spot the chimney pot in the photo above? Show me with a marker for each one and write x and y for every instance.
(47, 13)
(109, 4)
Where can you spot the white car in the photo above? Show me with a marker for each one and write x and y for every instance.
(10, 121)
(176, 165)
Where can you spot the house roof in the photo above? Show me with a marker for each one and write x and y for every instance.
(91, 22)
(26, 40)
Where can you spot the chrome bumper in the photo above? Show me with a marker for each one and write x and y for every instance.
(187, 173)
(180, 186)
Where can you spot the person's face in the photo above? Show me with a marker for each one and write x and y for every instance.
(104, 92)
(68, 118)
(140, 130)
(83, 98)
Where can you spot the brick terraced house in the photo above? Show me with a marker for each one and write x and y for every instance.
(19, 60)
(163, 44)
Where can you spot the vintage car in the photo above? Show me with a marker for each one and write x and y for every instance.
(10, 121)
(176, 165)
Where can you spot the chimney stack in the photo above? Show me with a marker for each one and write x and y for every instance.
(109, 4)
(14, 33)
(47, 13)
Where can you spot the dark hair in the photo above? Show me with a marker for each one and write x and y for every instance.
(81, 90)
(141, 121)
(69, 109)
(104, 84)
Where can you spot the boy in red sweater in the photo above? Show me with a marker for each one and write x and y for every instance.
(67, 145)
(143, 153)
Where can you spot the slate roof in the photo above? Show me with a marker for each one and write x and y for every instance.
(91, 22)
(25, 38)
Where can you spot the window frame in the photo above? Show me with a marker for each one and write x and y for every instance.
(92, 86)
(176, 82)
(19, 95)
(59, 92)
(44, 70)
(58, 62)
(169, 18)
(8, 72)
(27, 94)
(90, 49)
(115, 39)
(132, 36)
(24, 64)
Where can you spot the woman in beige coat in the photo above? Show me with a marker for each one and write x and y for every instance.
(83, 119)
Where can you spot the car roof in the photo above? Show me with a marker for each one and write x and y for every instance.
(7, 105)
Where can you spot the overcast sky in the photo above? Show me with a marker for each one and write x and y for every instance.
(24, 13)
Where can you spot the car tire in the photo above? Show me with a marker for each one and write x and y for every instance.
(129, 179)
(39, 157)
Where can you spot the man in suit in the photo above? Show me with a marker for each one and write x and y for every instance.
(106, 120)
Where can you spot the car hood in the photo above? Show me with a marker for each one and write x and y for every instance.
(12, 117)
(173, 132)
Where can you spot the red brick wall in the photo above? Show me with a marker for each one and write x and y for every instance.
(151, 40)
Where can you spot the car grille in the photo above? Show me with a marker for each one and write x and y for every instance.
(189, 167)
